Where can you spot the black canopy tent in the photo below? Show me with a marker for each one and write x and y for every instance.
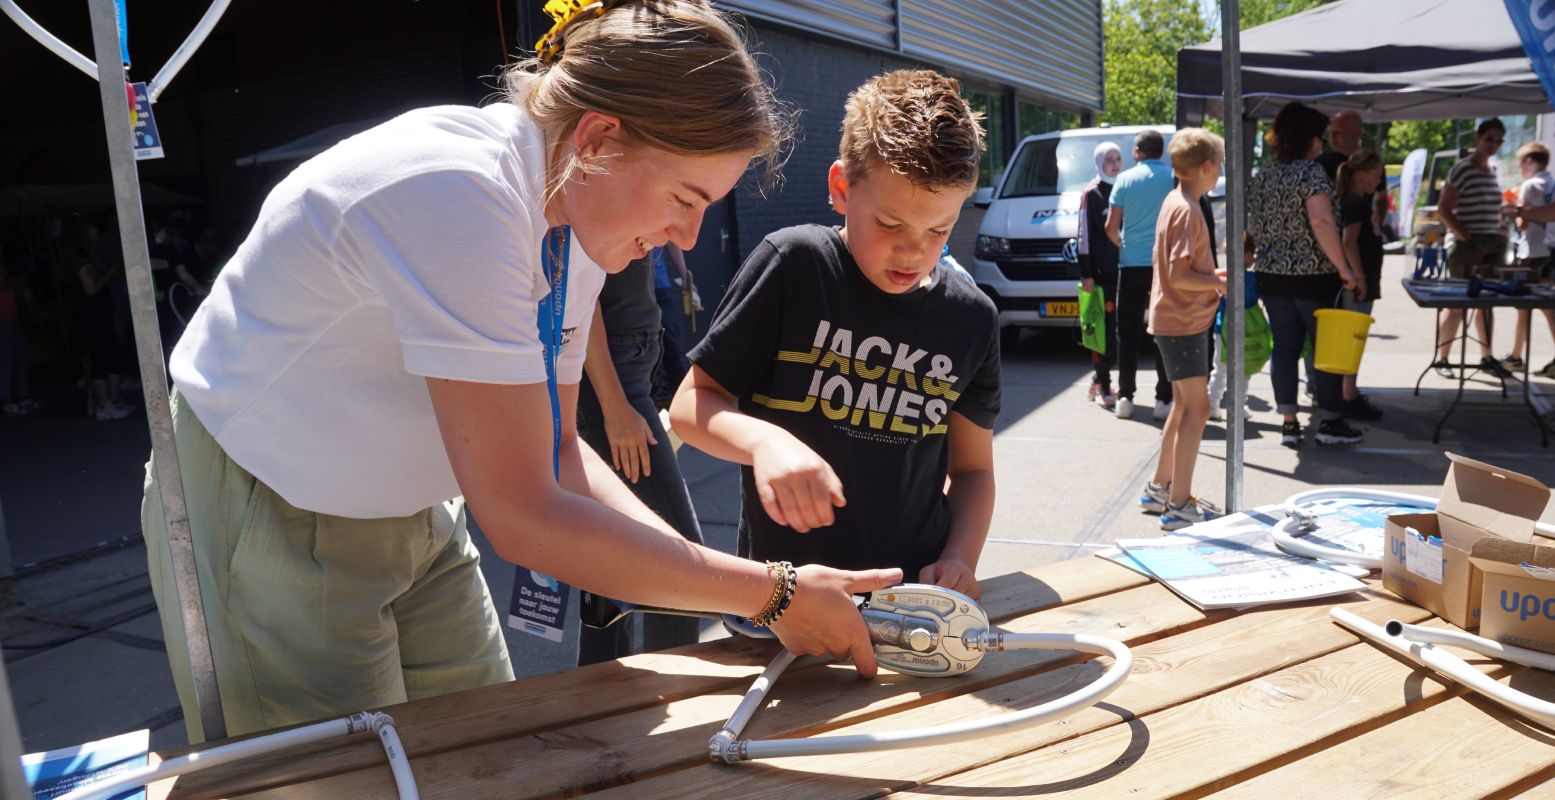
(1387, 59)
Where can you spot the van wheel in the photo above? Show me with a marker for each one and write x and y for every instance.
(1009, 336)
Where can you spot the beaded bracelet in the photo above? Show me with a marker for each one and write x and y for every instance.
(785, 580)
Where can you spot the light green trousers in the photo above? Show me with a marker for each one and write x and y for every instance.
(310, 615)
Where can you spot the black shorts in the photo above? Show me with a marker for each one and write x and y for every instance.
(1184, 357)
(1479, 254)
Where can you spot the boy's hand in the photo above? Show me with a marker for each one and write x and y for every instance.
(952, 573)
(797, 487)
(630, 437)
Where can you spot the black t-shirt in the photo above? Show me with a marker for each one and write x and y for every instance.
(1331, 161)
(1354, 208)
(867, 380)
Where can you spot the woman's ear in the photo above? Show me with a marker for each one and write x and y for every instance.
(596, 136)
(837, 188)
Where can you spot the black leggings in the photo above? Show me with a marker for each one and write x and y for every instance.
(1133, 303)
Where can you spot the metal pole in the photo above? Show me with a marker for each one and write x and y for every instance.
(1236, 222)
(153, 378)
(13, 782)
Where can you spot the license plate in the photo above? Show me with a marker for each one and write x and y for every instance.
(1060, 309)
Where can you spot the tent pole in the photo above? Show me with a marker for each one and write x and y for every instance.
(148, 346)
(1236, 167)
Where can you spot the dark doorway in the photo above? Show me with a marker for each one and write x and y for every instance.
(713, 261)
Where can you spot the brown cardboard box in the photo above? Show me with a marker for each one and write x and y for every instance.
(1519, 592)
(1477, 501)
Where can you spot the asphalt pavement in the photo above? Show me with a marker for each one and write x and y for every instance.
(83, 647)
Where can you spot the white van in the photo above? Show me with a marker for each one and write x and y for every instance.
(1027, 246)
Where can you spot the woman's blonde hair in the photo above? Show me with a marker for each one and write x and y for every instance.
(1361, 161)
(676, 73)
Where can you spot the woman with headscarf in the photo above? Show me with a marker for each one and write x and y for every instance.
(1098, 258)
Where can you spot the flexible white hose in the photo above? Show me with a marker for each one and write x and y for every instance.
(1122, 663)
(1468, 641)
(1294, 515)
(260, 746)
(191, 43)
(48, 40)
(1451, 666)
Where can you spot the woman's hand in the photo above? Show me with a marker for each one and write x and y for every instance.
(823, 620)
(797, 487)
(630, 439)
(952, 573)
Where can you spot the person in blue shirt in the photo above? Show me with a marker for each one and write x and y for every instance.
(1131, 215)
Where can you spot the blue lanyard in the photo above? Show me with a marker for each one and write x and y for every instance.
(124, 33)
(554, 257)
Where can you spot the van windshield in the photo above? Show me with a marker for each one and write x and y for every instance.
(1059, 165)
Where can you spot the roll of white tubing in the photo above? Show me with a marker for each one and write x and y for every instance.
(1122, 662)
(1451, 666)
(258, 746)
(1305, 548)
(1468, 641)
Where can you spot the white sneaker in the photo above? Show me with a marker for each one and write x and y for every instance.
(1191, 512)
(1247, 413)
(1106, 401)
(1217, 414)
(104, 413)
(1124, 408)
(1162, 410)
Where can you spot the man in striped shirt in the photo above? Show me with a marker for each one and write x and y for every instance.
(1470, 208)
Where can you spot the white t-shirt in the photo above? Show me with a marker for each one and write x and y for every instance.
(411, 250)
(1533, 241)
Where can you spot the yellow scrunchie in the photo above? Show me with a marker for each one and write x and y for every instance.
(565, 12)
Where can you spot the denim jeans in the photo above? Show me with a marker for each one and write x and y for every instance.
(636, 355)
(673, 365)
(1292, 321)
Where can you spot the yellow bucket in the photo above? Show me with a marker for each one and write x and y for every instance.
(1341, 340)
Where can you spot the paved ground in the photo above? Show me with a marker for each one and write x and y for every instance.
(1068, 477)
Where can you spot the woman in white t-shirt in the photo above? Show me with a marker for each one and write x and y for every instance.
(375, 353)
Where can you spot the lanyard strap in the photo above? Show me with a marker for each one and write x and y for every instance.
(554, 258)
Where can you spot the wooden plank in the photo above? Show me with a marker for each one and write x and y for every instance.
(611, 751)
(1466, 747)
(1167, 672)
(1220, 739)
(571, 697)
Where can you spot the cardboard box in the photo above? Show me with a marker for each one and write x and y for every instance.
(1479, 502)
(1519, 593)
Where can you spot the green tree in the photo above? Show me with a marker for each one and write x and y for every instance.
(1257, 12)
(1142, 40)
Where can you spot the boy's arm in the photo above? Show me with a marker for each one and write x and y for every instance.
(1352, 252)
(629, 434)
(797, 487)
(1179, 266)
(971, 496)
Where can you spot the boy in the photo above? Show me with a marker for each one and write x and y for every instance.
(1533, 248)
(848, 373)
(1182, 308)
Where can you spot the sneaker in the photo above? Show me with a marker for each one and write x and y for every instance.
(1217, 414)
(1336, 431)
(1290, 434)
(1106, 400)
(29, 405)
(1512, 363)
(1163, 409)
(1124, 408)
(1095, 390)
(11, 409)
(1494, 367)
(1153, 498)
(1191, 512)
(1247, 414)
(1548, 370)
(105, 413)
(1443, 369)
(1361, 408)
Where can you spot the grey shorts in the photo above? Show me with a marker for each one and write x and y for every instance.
(1184, 357)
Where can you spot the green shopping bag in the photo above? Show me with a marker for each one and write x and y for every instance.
(1257, 341)
(1093, 320)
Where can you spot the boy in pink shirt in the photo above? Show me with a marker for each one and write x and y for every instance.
(1183, 300)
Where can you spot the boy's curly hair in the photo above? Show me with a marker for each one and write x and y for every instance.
(916, 123)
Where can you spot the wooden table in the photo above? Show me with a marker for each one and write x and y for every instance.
(1271, 703)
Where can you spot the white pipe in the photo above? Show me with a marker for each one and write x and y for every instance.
(258, 746)
(1451, 666)
(48, 40)
(1468, 641)
(726, 736)
(1295, 515)
(1122, 663)
(192, 43)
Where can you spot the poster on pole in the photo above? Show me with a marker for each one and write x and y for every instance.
(148, 141)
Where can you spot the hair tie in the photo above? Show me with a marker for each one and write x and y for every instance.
(565, 12)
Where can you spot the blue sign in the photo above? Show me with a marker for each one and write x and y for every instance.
(1535, 23)
(148, 142)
